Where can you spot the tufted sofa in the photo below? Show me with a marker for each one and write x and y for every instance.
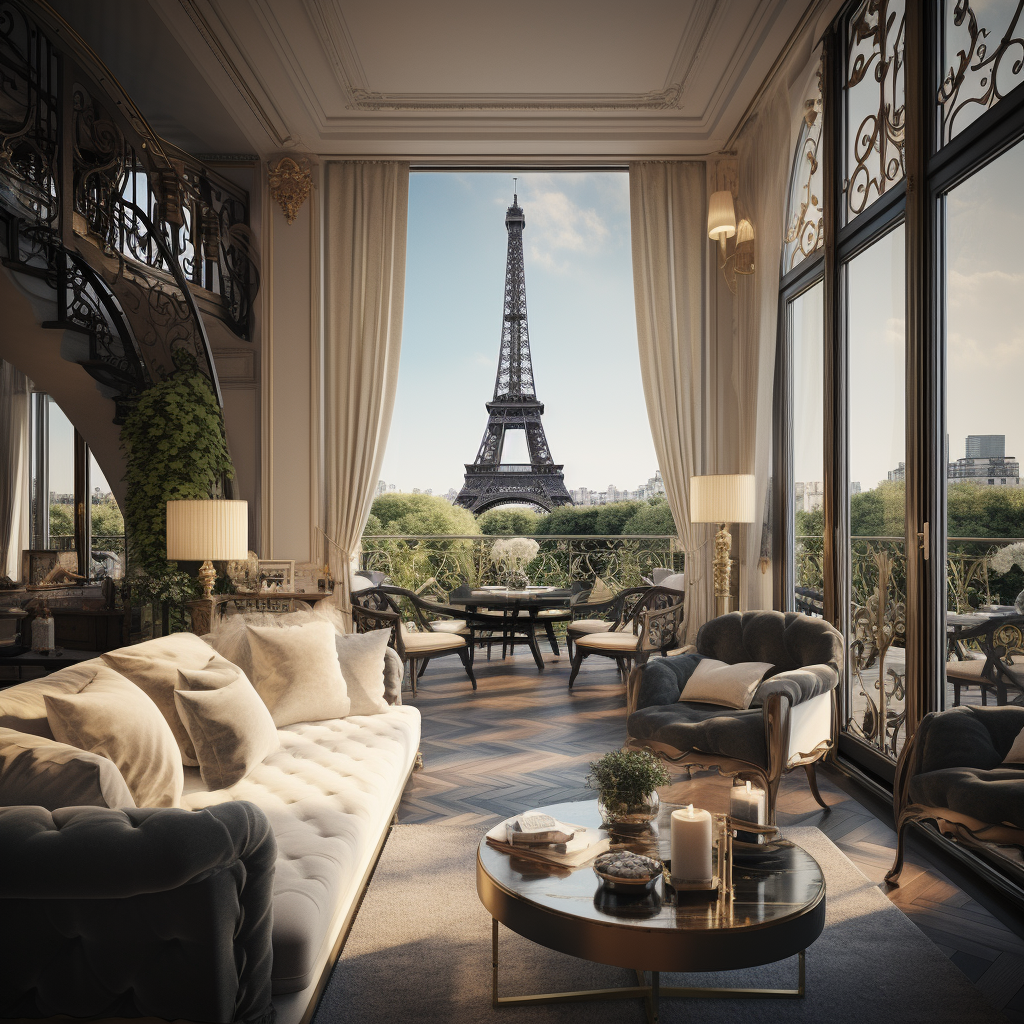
(791, 720)
(231, 908)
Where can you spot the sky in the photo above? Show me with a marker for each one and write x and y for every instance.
(579, 294)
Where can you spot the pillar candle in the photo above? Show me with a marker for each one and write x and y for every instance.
(747, 804)
(691, 844)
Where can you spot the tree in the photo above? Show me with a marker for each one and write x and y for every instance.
(107, 520)
(419, 514)
(655, 516)
(520, 521)
(61, 522)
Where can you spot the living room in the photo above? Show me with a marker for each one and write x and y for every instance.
(270, 734)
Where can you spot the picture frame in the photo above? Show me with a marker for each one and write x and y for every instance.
(277, 572)
(36, 563)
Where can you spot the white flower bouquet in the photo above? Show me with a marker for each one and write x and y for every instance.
(510, 555)
(1006, 558)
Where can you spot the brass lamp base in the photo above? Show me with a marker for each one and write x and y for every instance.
(723, 570)
(208, 576)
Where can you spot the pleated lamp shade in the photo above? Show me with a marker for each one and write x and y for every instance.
(214, 530)
(723, 498)
(721, 216)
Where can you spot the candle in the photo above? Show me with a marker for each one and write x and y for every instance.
(691, 844)
(747, 804)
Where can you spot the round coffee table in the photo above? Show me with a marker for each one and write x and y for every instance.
(777, 910)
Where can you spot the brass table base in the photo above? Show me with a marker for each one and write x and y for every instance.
(650, 992)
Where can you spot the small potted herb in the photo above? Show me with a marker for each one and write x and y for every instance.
(626, 782)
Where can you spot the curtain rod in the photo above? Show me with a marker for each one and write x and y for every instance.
(549, 165)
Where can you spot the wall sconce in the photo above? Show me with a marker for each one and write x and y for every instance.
(721, 227)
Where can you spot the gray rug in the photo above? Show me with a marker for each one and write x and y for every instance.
(420, 952)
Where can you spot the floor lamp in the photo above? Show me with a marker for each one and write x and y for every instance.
(206, 530)
(723, 499)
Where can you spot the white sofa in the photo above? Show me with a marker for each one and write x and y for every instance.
(329, 794)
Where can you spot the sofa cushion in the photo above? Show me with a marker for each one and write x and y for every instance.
(230, 637)
(662, 679)
(329, 792)
(230, 727)
(113, 717)
(995, 795)
(297, 674)
(153, 666)
(361, 656)
(715, 682)
(23, 707)
(709, 728)
(41, 772)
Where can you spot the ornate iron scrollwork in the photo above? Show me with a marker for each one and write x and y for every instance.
(977, 78)
(805, 219)
(874, 89)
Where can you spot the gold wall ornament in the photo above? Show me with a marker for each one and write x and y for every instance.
(290, 185)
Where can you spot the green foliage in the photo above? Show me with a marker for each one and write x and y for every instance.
(175, 448)
(420, 513)
(516, 521)
(107, 520)
(653, 516)
(628, 774)
(62, 523)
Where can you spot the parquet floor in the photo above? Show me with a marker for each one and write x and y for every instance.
(523, 740)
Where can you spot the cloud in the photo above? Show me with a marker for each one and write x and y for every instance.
(556, 225)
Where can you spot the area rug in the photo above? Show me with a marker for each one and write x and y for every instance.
(420, 951)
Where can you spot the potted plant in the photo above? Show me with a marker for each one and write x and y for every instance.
(626, 782)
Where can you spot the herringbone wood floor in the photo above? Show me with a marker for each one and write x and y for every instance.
(523, 740)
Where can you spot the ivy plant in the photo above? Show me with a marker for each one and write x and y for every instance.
(175, 447)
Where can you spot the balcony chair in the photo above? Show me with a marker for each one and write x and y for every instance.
(791, 719)
(589, 616)
(652, 625)
(954, 773)
(374, 608)
(999, 639)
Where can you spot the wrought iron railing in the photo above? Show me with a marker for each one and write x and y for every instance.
(449, 561)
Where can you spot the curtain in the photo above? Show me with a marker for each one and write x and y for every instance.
(15, 510)
(667, 204)
(365, 212)
(764, 158)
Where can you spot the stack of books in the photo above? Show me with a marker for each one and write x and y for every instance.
(542, 838)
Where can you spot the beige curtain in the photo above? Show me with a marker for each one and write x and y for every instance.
(667, 204)
(764, 160)
(365, 212)
(15, 509)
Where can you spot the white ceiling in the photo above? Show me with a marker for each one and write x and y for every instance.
(449, 79)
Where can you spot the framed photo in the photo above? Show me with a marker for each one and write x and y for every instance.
(277, 572)
(35, 565)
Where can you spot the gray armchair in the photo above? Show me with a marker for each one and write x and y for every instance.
(792, 717)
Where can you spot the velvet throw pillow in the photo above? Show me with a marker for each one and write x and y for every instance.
(153, 666)
(113, 717)
(38, 771)
(230, 727)
(731, 686)
(296, 672)
(361, 656)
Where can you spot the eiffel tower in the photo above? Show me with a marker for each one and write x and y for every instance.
(489, 482)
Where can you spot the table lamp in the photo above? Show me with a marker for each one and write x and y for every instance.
(204, 530)
(723, 498)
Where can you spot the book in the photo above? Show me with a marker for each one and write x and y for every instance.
(535, 829)
(585, 844)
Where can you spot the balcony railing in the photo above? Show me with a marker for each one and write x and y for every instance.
(449, 561)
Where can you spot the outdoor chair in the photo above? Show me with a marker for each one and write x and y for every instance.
(599, 616)
(375, 608)
(652, 625)
(1000, 640)
(809, 601)
(953, 773)
(791, 720)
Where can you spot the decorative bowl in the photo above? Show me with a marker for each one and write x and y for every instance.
(621, 884)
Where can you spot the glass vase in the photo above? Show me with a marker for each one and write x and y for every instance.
(628, 812)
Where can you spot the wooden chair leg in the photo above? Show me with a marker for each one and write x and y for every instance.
(893, 877)
(467, 664)
(812, 781)
(422, 668)
(549, 629)
(412, 674)
(576, 662)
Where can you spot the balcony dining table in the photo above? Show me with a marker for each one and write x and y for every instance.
(507, 607)
(982, 627)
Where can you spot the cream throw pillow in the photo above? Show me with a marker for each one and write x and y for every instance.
(732, 686)
(361, 656)
(230, 638)
(1016, 754)
(113, 717)
(229, 725)
(153, 666)
(600, 592)
(296, 672)
(41, 772)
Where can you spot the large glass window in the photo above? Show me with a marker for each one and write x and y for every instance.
(876, 338)
(985, 363)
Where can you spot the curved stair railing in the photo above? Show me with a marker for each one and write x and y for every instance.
(119, 224)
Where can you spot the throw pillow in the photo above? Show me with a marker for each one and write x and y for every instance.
(1016, 754)
(230, 639)
(600, 593)
(677, 581)
(153, 667)
(23, 707)
(113, 717)
(297, 674)
(731, 686)
(361, 656)
(44, 773)
(229, 725)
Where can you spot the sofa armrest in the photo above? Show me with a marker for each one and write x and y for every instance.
(798, 684)
(394, 670)
(137, 912)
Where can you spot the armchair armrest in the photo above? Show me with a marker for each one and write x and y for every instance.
(154, 912)
(798, 684)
